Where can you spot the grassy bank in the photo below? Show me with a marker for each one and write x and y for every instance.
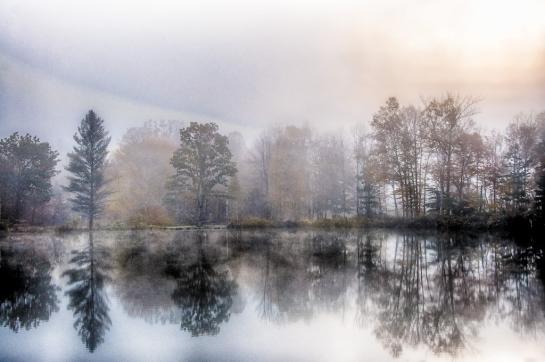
(430, 222)
(477, 223)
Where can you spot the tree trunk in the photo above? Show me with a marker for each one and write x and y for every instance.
(395, 199)
(202, 209)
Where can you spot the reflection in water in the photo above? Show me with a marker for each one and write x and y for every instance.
(437, 291)
(279, 294)
(301, 278)
(27, 294)
(413, 293)
(203, 294)
(419, 304)
(371, 276)
(141, 284)
(87, 298)
(185, 282)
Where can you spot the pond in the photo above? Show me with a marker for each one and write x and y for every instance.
(272, 295)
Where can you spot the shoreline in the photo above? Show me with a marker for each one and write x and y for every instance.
(453, 224)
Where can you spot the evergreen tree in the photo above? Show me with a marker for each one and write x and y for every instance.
(86, 164)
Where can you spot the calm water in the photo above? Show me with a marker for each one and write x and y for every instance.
(269, 295)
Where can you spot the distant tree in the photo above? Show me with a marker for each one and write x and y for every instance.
(245, 181)
(86, 165)
(234, 199)
(180, 201)
(369, 172)
(202, 162)
(26, 168)
(539, 206)
(468, 163)
(539, 201)
(401, 134)
(331, 179)
(289, 173)
(520, 160)
(139, 170)
(258, 201)
(448, 119)
(493, 170)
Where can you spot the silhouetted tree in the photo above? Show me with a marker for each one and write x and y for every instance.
(86, 165)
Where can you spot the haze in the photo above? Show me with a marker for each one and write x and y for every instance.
(248, 64)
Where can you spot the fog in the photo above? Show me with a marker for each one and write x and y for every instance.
(247, 65)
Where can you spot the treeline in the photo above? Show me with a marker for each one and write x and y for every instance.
(425, 162)
(434, 161)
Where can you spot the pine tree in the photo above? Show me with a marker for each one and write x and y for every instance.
(86, 164)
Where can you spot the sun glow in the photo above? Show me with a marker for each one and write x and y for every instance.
(482, 26)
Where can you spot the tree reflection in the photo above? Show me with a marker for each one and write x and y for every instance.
(432, 297)
(28, 295)
(438, 291)
(328, 271)
(203, 293)
(86, 294)
(434, 291)
(283, 294)
(372, 273)
(303, 276)
(141, 284)
(523, 290)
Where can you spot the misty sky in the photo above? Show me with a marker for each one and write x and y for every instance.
(249, 64)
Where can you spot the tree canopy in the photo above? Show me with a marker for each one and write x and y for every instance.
(27, 166)
(202, 163)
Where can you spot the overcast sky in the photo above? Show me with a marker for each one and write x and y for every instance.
(249, 64)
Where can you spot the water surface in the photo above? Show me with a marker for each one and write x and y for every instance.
(269, 295)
